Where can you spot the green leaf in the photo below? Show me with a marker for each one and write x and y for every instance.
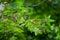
(13, 38)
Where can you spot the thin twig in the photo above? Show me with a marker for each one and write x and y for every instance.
(36, 4)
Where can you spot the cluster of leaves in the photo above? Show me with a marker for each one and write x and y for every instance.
(29, 20)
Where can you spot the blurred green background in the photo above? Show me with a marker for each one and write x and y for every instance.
(29, 19)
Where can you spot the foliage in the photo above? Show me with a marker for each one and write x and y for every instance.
(29, 20)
